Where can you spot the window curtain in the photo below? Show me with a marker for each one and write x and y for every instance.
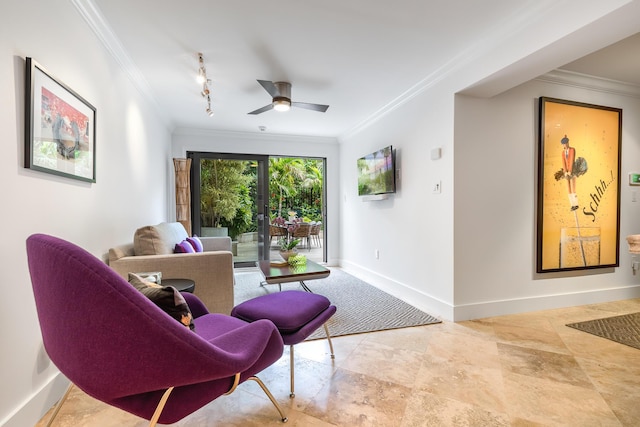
(183, 192)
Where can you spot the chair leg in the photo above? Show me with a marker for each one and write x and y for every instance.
(152, 422)
(59, 405)
(156, 415)
(270, 396)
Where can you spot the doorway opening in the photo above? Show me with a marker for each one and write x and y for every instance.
(239, 196)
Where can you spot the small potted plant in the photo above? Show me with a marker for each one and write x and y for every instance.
(288, 248)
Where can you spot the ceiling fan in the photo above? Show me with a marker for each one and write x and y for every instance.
(281, 94)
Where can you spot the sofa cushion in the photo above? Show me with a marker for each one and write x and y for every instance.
(158, 239)
(196, 243)
(166, 297)
(184, 247)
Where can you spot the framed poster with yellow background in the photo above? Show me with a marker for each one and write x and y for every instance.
(578, 223)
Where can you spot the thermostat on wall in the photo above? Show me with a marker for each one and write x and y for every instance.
(634, 178)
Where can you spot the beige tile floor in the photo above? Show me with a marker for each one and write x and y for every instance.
(517, 370)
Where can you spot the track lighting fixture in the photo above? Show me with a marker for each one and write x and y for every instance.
(205, 82)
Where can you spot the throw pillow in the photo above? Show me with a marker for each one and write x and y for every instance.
(184, 247)
(166, 297)
(146, 241)
(196, 243)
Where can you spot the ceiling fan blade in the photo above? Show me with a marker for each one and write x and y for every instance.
(262, 110)
(270, 88)
(307, 106)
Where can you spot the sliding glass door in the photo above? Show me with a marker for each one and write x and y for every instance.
(237, 195)
(298, 193)
(230, 198)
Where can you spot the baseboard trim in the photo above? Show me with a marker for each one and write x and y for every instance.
(479, 310)
(34, 408)
(543, 302)
(427, 303)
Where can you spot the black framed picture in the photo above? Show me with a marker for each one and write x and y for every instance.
(60, 127)
(578, 218)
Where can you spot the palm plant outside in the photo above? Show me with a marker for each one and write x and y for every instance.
(227, 191)
(295, 185)
(222, 184)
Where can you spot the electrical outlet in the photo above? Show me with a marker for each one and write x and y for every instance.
(436, 187)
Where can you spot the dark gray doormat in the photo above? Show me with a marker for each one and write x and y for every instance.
(624, 329)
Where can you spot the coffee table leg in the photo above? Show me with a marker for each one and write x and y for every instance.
(305, 287)
(264, 283)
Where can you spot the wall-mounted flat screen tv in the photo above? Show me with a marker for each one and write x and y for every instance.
(377, 173)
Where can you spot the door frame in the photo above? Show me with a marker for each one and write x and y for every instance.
(261, 201)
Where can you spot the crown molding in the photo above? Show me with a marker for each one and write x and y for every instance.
(588, 82)
(530, 12)
(254, 136)
(97, 23)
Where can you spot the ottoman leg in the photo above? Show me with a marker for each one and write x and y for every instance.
(326, 330)
(291, 360)
(291, 368)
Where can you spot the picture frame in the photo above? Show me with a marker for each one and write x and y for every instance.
(60, 127)
(578, 205)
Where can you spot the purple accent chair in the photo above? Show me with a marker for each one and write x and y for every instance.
(117, 346)
(296, 314)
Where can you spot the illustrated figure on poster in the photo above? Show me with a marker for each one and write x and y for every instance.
(64, 133)
(572, 168)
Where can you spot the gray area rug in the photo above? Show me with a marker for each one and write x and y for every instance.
(624, 329)
(360, 306)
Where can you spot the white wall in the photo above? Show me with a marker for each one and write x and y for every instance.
(413, 228)
(266, 144)
(133, 148)
(470, 251)
(495, 205)
(416, 231)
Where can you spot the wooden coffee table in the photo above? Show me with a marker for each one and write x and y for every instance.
(277, 275)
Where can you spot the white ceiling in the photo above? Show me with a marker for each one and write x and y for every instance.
(358, 56)
(619, 61)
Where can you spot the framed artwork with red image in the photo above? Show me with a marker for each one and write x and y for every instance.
(60, 127)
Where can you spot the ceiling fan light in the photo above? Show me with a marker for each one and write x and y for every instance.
(281, 104)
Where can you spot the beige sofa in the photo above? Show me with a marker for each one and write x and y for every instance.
(153, 250)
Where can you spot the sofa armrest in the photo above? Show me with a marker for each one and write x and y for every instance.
(212, 273)
(216, 243)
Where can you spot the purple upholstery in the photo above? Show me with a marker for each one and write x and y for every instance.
(196, 243)
(296, 314)
(119, 347)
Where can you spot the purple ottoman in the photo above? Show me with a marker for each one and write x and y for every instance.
(296, 314)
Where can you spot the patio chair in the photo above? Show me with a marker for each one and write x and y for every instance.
(116, 345)
(277, 232)
(314, 234)
(302, 232)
